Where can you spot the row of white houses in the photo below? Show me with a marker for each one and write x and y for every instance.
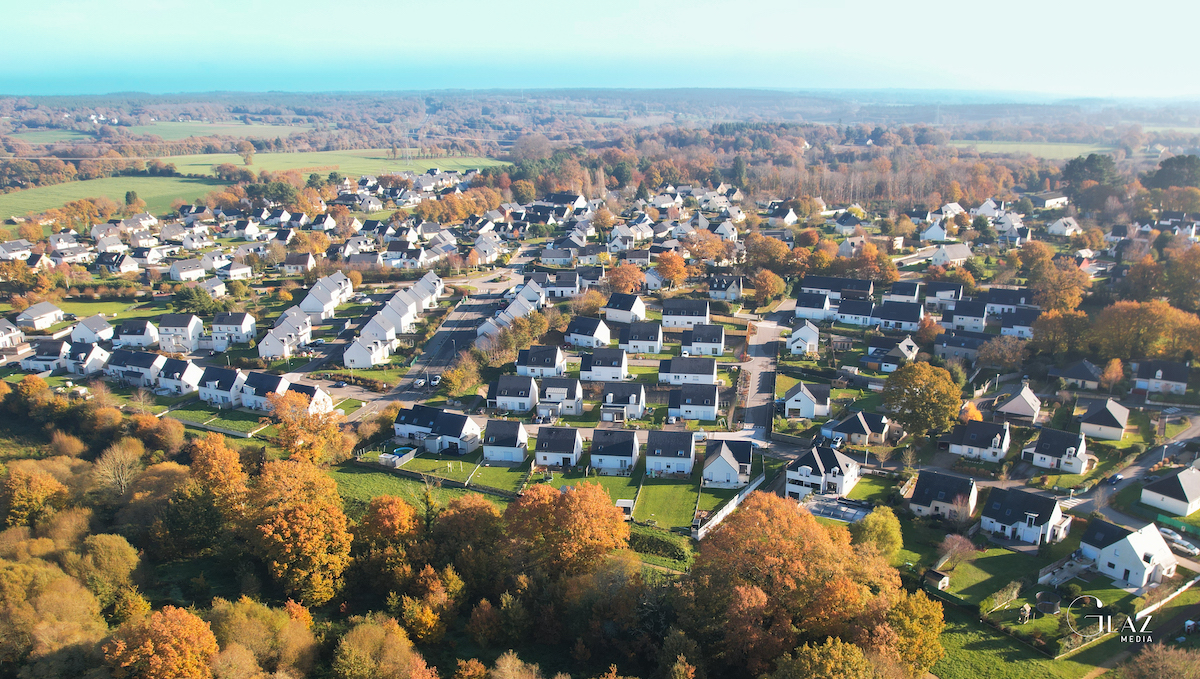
(378, 338)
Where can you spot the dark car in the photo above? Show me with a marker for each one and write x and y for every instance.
(339, 384)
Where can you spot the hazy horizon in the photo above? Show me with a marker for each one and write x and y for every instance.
(1033, 50)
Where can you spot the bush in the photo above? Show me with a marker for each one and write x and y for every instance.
(1070, 591)
(650, 542)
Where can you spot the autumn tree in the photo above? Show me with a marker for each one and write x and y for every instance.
(1058, 287)
(767, 286)
(783, 580)
(377, 648)
(296, 525)
(567, 533)
(217, 469)
(1061, 332)
(766, 252)
(469, 534)
(1145, 280)
(588, 303)
(169, 644)
(626, 278)
(922, 397)
(310, 436)
(119, 464)
(27, 495)
(276, 640)
(928, 331)
(880, 528)
(1183, 278)
(833, 659)
(1006, 352)
(672, 268)
(1113, 373)
(1156, 660)
(383, 541)
(970, 412)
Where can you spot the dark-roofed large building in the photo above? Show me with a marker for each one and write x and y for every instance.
(505, 441)
(684, 313)
(1177, 495)
(821, 470)
(942, 494)
(1160, 377)
(558, 447)
(670, 452)
(1027, 517)
(900, 315)
(837, 288)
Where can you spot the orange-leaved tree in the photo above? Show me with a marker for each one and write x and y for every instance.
(567, 533)
(626, 278)
(312, 436)
(672, 268)
(169, 644)
(217, 469)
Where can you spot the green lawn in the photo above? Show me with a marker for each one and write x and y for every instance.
(670, 503)
(502, 477)
(1039, 149)
(455, 467)
(869, 403)
(713, 498)
(784, 384)
(196, 412)
(358, 484)
(158, 192)
(51, 136)
(989, 571)
(871, 488)
(237, 420)
(590, 416)
(618, 487)
(644, 373)
(348, 162)
(349, 405)
(920, 545)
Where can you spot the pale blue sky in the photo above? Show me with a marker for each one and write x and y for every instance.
(1099, 48)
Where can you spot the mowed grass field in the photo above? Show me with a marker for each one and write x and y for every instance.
(171, 130)
(352, 162)
(1039, 149)
(158, 192)
(52, 136)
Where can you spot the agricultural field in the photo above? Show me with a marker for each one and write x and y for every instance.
(158, 192)
(51, 136)
(1047, 150)
(170, 130)
(350, 162)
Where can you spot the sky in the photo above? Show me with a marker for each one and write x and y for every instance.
(1098, 48)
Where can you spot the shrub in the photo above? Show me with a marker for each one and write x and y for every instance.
(649, 542)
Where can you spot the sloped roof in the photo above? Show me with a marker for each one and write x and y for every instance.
(694, 394)
(817, 393)
(940, 487)
(504, 433)
(1013, 505)
(556, 439)
(1184, 486)
(1101, 533)
(704, 334)
(821, 460)
(1106, 413)
(688, 366)
(615, 443)
(733, 452)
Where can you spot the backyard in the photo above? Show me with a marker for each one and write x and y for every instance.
(670, 503)
(502, 477)
(872, 489)
(453, 467)
(358, 485)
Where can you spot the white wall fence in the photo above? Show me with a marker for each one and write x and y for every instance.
(698, 533)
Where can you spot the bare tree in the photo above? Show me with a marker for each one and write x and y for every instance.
(142, 400)
(960, 513)
(120, 464)
(884, 454)
(102, 396)
(1101, 498)
(956, 549)
(909, 458)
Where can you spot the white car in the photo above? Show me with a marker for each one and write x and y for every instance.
(419, 382)
(435, 380)
(1185, 547)
(1170, 534)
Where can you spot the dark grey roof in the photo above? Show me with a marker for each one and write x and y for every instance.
(223, 377)
(614, 442)
(854, 307)
(940, 487)
(669, 443)
(622, 391)
(722, 283)
(976, 433)
(1106, 413)
(688, 366)
(811, 300)
(694, 394)
(970, 309)
(556, 439)
(538, 356)
(174, 368)
(263, 383)
(1010, 297)
(505, 433)
(932, 288)
(176, 320)
(685, 307)
(230, 318)
(1184, 486)
(704, 334)
(132, 359)
(602, 358)
(961, 340)
(80, 350)
(584, 325)
(1013, 505)
(1021, 318)
(906, 288)
(1171, 371)
(308, 390)
(1054, 443)
(1101, 534)
(819, 393)
(137, 326)
(518, 386)
(836, 284)
(570, 384)
(900, 311)
(862, 422)
(821, 460)
(742, 451)
(641, 332)
(1079, 370)
(50, 348)
(621, 302)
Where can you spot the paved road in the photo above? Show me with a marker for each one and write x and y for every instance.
(457, 333)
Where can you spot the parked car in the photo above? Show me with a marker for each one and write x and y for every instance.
(1185, 547)
(435, 380)
(1170, 534)
(1114, 480)
(339, 385)
(419, 382)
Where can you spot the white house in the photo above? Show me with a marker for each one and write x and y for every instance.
(978, 440)
(1160, 377)
(439, 431)
(614, 451)
(624, 309)
(541, 361)
(180, 376)
(692, 370)
(604, 365)
(135, 368)
(814, 306)
(934, 231)
(320, 302)
(950, 256)
(1137, 557)
(91, 330)
(807, 400)
(516, 393)
(684, 313)
(222, 387)
(670, 452)
(694, 402)
(1105, 420)
(86, 358)
(186, 270)
(588, 332)
(558, 447)
(821, 470)
(620, 401)
(179, 333)
(1177, 495)
(505, 441)
(47, 355)
(559, 396)
(704, 340)
(1026, 517)
(804, 340)
(642, 338)
(942, 494)
(727, 463)
(856, 312)
(366, 353)
(1060, 450)
(1064, 226)
(1024, 406)
(905, 316)
(40, 316)
(11, 336)
(136, 333)
(234, 327)
(259, 386)
(726, 287)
